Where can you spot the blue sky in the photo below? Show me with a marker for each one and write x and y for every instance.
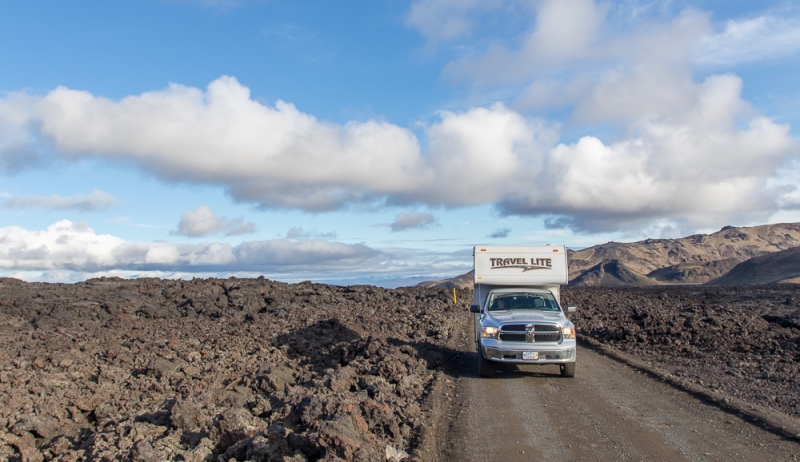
(378, 141)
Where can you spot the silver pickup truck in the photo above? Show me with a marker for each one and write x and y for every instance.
(524, 326)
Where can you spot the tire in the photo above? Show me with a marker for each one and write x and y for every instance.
(485, 367)
(568, 369)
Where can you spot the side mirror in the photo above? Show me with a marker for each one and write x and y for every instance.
(572, 309)
(475, 308)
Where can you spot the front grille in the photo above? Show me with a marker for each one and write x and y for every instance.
(511, 337)
(533, 333)
(514, 328)
(548, 337)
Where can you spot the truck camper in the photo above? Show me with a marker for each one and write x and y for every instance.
(517, 306)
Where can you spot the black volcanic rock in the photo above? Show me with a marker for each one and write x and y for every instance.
(244, 369)
(741, 341)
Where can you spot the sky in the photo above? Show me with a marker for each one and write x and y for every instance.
(378, 141)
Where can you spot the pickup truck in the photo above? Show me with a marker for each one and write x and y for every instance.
(518, 316)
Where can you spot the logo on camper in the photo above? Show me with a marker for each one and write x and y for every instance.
(534, 264)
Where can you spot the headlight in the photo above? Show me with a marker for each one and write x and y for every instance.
(488, 332)
(568, 332)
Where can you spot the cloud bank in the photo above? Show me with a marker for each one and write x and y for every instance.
(202, 222)
(412, 220)
(69, 252)
(707, 160)
(76, 247)
(94, 201)
(298, 232)
(275, 156)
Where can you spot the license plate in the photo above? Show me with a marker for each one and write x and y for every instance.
(530, 355)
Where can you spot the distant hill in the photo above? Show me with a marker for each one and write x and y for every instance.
(783, 266)
(696, 259)
(694, 272)
(459, 282)
(610, 273)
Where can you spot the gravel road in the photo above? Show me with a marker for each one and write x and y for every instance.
(608, 412)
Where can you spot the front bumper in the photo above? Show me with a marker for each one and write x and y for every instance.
(564, 352)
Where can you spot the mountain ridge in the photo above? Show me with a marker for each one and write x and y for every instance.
(694, 259)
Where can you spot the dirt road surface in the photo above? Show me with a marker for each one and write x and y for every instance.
(609, 411)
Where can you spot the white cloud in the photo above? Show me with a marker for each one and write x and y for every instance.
(565, 36)
(750, 40)
(709, 164)
(483, 154)
(96, 200)
(274, 156)
(74, 247)
(238, 226)
(412, 220)
(693, 153)
(298, 232)
(440, 20)
(564, 29)
(202, 222)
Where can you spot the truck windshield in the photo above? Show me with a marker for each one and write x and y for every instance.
(523, 301)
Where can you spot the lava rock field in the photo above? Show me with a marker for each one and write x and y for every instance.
(218, 369)
(740, 341)
(252, 369)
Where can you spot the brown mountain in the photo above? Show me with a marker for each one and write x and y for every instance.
(610, 273)
(694, 272)
(695, 259)
(783, 266)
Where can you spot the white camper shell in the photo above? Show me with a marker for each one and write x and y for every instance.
(519, 318)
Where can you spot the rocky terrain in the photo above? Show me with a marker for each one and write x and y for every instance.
(232, 369)
(740, 341)
(252, 369)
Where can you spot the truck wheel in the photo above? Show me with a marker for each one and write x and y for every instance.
(568, 369)
(485, 367)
